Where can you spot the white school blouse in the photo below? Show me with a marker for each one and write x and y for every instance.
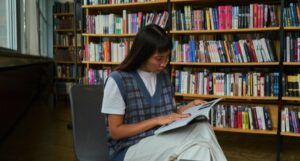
(113, 102)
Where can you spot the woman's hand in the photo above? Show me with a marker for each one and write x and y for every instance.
(196, 102)
(162, 120)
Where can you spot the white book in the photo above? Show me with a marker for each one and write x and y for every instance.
(196, 111)
(250, 119)
(287, 123)
(241, 43)
(265, 50)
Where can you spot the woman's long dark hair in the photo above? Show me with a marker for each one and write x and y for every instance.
(149, 40)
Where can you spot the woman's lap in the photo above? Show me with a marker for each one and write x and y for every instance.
(175, 144)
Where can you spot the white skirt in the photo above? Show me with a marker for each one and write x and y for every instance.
(193, 142)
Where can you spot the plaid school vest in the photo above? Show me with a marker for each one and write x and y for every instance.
(140, 105)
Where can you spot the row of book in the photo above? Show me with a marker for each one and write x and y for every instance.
(66, 71)
(256, 50)
(66, 7)
(292, 85)
(95, 2)
(290, 120)
(292, 48)
(225, 17)
(64, 55)
(107, 50)
(63, 23)
(67, 39)
(96, 76)
(226, 83)
(242, 117)
(291, 15)
(125, 23)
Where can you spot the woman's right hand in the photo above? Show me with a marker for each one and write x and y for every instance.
(162, 120)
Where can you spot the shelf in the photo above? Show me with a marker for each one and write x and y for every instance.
(291, 63)
(66, 62)
(63, 14)
(291, 98)
(65, 30)
(290, 134)
(268, 132)
(291, 28)
(109, 35)
(228, 97)
(225, 31)
(58, 46)
(225, 64)
(101, 63)
(124, 5)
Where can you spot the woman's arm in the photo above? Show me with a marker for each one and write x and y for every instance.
(118, 130)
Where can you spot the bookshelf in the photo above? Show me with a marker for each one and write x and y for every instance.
(112, 38)
(66, 44)
(273, 32)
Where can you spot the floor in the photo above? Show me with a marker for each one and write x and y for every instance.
(42, 136)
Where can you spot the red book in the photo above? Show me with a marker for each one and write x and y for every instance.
(255, 15)
(240, 119)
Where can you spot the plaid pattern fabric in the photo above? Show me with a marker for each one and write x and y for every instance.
(140, 105)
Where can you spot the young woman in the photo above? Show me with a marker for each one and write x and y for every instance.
(139, 98)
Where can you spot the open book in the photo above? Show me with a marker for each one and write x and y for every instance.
(196, 111)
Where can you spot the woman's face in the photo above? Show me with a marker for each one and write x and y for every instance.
(157, 62)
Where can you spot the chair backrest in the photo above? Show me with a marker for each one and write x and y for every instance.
(89, 132)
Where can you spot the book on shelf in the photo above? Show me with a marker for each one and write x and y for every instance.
(223, 51)
(197, 112)
(124, 23)
(225, 17)
(66, 71)
(98, 2)
(291, 15)
(67, 7)
(226, 83)
(292, 49)
(95, 76)
(292, 85)
(241, 117)
(107, 50)
(290, 119)
(67, 39)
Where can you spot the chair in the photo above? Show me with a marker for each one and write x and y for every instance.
(89, 132)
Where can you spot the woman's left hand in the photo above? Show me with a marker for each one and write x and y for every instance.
(197, 102)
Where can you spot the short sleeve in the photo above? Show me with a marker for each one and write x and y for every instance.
(113, 102)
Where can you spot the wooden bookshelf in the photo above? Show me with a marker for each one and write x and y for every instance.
(101, 63)
(125, 5)
(291, 63)
(290, 98)
(223, 64)
(291, 28)
(63, 14)
(60, 46)
(236, 130)
(65, 30)
(270, 98)
(66, 62)
(109, 35)
(181, 32)
(290, 134)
